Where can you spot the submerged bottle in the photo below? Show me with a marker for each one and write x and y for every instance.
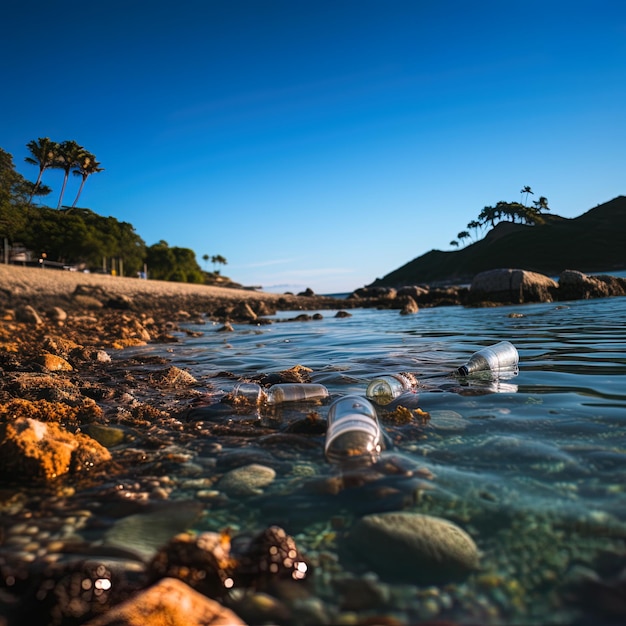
(295, 392)
(279, 393)
(499, 358)
(353, 434)
(247, 392)
(383, 389)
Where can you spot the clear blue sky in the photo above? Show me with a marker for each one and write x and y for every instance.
(319, 143)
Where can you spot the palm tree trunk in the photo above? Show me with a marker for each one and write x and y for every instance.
(62, 190)
(32, 193)
(80, 189)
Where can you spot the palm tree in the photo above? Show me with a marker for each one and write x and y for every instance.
(87, 165)
(475, 226)
(218, 258)
(541, 204)
(205, 258)
(526, 190)
(69, 156)
(489, 214)
(44, 155)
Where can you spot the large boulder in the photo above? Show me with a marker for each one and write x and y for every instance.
(414, 291)
(376, 293)
(409, 306)
(574, 285)
(512, 286)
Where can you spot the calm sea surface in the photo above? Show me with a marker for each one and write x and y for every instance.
(533, 467)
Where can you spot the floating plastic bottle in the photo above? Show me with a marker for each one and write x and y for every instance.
(248, 392)
(383, 389)
(279, 393)
(295, 392)
(353, 434)
(497, 359)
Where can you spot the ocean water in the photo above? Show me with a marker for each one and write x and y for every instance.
(533, 467)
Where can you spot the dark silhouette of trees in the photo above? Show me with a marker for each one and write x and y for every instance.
(526, 190)
(474, 225)
(514, 212)
(462, 235)
(541, 204)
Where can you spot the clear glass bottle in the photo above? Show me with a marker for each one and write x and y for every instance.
(499, 358)
(383, 389)
(282, 392)
(353, 434)
(295, 392)
(248, 392)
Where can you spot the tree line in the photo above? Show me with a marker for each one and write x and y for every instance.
(516, 212)
(76, 236)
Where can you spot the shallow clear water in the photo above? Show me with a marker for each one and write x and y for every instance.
(540, 452)
(565, 410)
(532, 467)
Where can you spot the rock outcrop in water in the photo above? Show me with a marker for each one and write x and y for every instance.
(512, 285)
(498, 286)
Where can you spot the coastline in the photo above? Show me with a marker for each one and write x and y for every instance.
(26, 282)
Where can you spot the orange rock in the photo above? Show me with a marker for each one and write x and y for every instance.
(171, 602)
(120, 344)
(54, 363)
(30, 449)
(45, 411)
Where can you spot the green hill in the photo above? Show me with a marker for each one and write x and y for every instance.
(592, 242)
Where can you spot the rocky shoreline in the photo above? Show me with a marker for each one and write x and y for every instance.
(64, 401)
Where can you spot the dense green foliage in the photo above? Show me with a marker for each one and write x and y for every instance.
(76, 236)
(175, 264)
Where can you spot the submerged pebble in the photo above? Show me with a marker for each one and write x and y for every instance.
(414, 547)
(248, 480)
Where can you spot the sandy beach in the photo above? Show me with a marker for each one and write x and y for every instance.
(25, 282)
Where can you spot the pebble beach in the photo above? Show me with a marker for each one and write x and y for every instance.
(60, 392)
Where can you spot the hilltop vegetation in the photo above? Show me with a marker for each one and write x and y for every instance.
(79, 237)
(592, 242)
